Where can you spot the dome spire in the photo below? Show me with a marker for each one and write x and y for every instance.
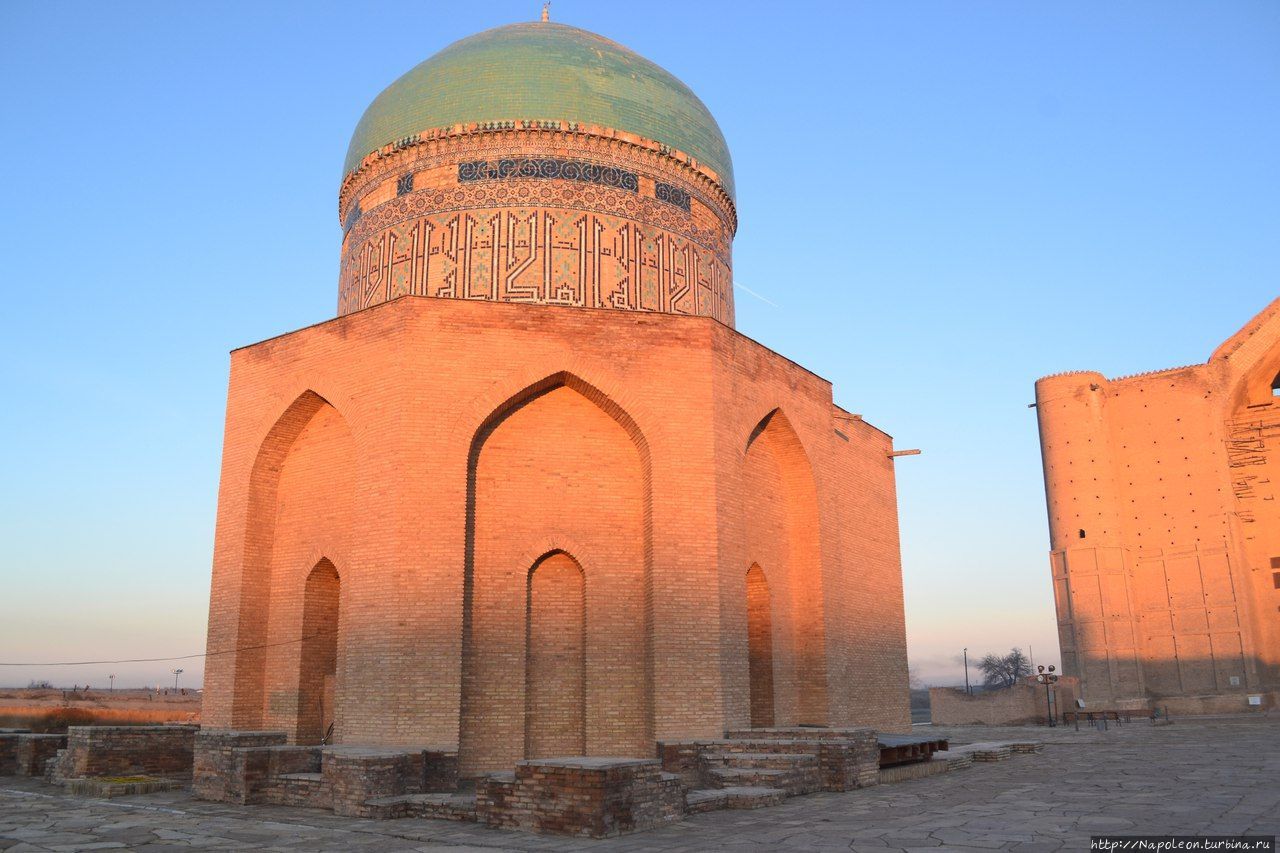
(546, 12)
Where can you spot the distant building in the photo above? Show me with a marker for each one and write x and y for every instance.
(1164, 517)
(530, 494)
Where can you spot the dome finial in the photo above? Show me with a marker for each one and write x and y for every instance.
(546, 12)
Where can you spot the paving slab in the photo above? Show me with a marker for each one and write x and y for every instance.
(1205, 777)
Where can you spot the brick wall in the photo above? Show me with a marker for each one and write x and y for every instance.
(221, 771)
(555, 672)
(1020, 704)
(25, 754)
(259, 767)
(597, 798)
(165, 751)
(435, 450)
(1163, 523)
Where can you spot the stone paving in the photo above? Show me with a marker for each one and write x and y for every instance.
(1208, 777)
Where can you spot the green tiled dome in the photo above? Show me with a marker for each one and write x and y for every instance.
(548, 72)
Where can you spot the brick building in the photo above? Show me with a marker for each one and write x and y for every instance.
(530, 494)
(1165, 526)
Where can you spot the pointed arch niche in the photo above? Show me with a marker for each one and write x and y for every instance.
(300, 495)
(760, 648)
(560, 461)
(781, 529)
(555, 669)
(318, 668)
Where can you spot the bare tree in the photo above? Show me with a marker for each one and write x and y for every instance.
(1001, 671)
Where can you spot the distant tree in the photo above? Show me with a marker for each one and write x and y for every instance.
(1001, 671)
(39, 685)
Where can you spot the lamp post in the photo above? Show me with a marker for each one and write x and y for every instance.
(966, 671)
(1047, 679)
(112, 677)
(176, 673)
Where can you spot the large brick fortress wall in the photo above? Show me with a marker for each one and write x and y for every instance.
(530, 495)
(1165, 531)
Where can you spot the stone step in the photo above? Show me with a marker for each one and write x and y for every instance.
(954, 760)
(793, 747)
(437, 806)
(796, 773)
(993, 751)
(315, 778)
(748, 777)
(742, 797)
(798, 733)
(775, 760)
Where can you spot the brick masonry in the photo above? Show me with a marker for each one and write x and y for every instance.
(1165, 528)
(455, 217)
(1021, 704)
(597, 797)
(507, 503)
(524, 432)
(159, 751)
(26, 753)
(847, 759)
(260, 767)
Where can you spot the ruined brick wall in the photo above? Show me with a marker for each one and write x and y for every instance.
(597, 798)
(128, 751)
(1162, 525)
(24, 753)
(476, 439)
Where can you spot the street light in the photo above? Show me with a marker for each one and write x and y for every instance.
(176, 673)
(966, 671)
(1047, 679)
(112, 676)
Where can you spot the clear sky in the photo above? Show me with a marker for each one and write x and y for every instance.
(942, 201)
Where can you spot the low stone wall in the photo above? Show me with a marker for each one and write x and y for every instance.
(849, 765)
(594, 797)
(260, 767)
(159, 751)
(847, 758)
(26, 753)
(354, 776)
(1021, 704)
(224, 771)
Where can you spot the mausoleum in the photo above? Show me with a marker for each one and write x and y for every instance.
(530, 494)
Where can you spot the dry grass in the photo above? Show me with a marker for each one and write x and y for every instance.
(57, 719)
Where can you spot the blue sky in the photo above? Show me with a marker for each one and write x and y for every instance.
(943, 201)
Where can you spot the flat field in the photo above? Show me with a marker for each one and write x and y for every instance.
(54, 709)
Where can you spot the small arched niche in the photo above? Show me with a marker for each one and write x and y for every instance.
(555, 658)
(760, 648)
(318, 667)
